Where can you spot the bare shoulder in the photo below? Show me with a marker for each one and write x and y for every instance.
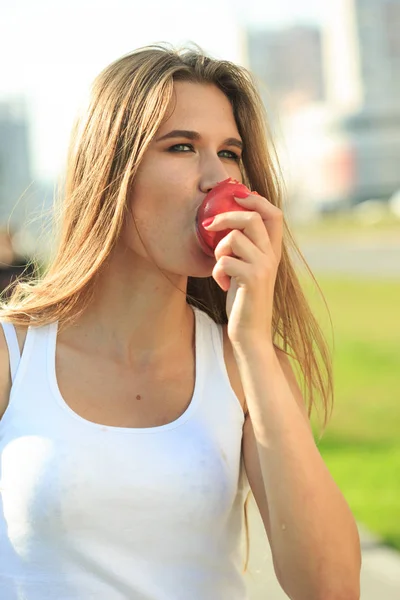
(5, 375)
(235, 380)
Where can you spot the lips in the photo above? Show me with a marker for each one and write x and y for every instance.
(219, 200)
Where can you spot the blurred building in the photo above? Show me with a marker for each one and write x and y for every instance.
(362, 54)
(337, 93)
(15, 165)
(362, 69)
(25, 204)
(288, 62)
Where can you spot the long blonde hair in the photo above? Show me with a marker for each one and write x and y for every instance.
(128, 102)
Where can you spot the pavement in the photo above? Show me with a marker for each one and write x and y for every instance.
(380, 573)
(370, 257)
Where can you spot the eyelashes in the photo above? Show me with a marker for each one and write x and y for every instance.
(233, 155)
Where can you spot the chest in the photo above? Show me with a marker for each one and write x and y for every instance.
(120, 397)
(83, 483)
(65, 476)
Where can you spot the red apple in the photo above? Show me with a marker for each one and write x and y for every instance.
(219, 200)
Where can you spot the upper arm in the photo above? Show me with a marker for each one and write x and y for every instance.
(249, 444)
(293, 384)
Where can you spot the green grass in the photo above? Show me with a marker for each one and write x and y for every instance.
(361, 445)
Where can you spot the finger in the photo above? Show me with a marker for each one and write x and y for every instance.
(251, 276)
(271, 215)
(250, 223)
(220, 271)
(221, 278)
(236, 244)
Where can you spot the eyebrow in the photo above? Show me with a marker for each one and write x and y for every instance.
(194, 135)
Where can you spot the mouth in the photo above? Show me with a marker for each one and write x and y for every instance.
(206, 249)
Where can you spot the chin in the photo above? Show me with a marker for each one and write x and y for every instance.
(201, 265)
(201, 273)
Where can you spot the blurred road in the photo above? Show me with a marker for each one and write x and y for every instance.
(380, 576)
(375, 257)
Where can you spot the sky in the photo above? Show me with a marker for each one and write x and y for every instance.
(51, 51)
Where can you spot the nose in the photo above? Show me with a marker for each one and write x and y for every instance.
(212, 174)
(208, 184)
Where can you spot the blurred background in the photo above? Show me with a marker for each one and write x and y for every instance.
(329, 75)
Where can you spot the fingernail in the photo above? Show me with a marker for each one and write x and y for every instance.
(207, 222)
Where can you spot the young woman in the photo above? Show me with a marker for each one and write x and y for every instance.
(135, 376)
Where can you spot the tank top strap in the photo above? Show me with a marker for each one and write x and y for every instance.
(215, 366)
(213, 340)
(29, 373)
(13, 347)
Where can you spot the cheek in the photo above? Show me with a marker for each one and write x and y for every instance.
(161, 201)
(162, 198)
(158, 171)
(153, 220)
(156, 192)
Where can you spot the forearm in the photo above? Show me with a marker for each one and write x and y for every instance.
(313, 534)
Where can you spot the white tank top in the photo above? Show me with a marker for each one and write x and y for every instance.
(109, 513)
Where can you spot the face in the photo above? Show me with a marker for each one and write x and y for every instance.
(176, 173)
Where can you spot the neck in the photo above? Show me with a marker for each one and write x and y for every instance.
(139, 315)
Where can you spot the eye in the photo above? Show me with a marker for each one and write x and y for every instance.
(179, 148)
(232, 155)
